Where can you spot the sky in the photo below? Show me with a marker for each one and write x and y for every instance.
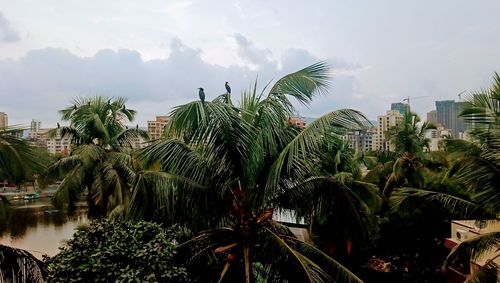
(157, 53)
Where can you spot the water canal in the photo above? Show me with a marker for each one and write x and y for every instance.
(35, 226)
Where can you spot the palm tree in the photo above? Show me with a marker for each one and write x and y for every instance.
(230, 169)
(17, 160)
(100, 164)
(476, 168)
(409, 141)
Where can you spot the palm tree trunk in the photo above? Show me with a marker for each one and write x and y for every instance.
(93, 209)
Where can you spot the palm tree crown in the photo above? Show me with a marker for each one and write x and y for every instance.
(230, 168)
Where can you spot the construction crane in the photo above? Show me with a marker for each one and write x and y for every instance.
(413, 97)
(460, 95)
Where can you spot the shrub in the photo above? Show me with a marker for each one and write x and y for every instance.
(116, 251)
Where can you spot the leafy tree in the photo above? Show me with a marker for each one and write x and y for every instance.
(230, 169)
(100, 164)
(115, 251)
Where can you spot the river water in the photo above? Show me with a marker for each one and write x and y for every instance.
(35, 226)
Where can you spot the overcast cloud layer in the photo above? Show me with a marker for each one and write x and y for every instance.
(157, 54)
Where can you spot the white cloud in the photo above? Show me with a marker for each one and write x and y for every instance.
(7, 34)
(45, 80)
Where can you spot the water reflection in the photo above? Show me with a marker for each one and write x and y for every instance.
(37, 227)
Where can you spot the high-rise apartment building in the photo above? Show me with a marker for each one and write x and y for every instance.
(155, 128)
(391, 119)
(447, 112)
(361, 140)
(4, 120)
(35, 125)
(401, 107)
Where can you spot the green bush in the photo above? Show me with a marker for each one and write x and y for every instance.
(115, 251)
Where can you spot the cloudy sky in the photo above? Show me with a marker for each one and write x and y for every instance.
(156, 53)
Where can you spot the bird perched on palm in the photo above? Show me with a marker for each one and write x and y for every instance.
(201, 93)
(228, 88)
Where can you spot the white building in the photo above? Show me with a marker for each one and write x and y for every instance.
(361, 140)
(35, 125)
(54, 145)
(437, 135)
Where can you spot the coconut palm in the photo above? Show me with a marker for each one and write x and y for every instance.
(18, 159)
(100, 164)
(476, 168)
(229, 169)
(409, 141)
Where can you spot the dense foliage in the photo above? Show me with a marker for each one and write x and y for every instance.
(232, 168)
(113, 251)
(100, 165)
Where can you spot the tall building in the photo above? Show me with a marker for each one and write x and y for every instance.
(447, 112)
(36, 125)
(431, 117)
(361, 140)
(391, 119)
(401, 107)
(155, 128)
(4, 120)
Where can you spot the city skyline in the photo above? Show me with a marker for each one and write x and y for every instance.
(380, 53)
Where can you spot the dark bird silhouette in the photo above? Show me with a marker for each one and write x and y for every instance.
(58, 126)
(228, 88)
(201, 93)
(137, 127)
(109, 101)
(123, 108)
(74, 106)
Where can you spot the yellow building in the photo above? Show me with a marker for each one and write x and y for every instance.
(4, 120)
(391, 119)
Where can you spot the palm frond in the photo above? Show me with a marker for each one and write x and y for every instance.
(18, 265)
(295, 155)
(403, 198)
(303, 84)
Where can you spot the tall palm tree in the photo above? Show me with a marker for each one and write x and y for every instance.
(409, 141)
(100, 164)
(227, 169)
(476, 168)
